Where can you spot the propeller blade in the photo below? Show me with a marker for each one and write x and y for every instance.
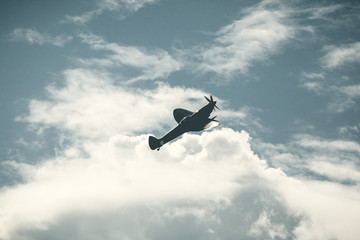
(211, 100)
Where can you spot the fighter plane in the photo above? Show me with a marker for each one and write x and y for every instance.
(188, 121)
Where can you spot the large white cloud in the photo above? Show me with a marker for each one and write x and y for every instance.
(206, 186)
(212, 182)
(124, 172)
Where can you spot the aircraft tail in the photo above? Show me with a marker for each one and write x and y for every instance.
(154, 143)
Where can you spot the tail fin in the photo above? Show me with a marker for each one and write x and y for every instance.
(154, 143)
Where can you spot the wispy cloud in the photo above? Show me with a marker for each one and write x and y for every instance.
(108, 6)
(83, 18)
(321, 12)
(152, 64)
(338, 56)
(308, 141)
(342, 90)
(317, 16)
(306, 151)
(132, 5)
(245, 117)
(342, 98)
(349, 130)
(34, 37)
(254, 37)
(347, 97)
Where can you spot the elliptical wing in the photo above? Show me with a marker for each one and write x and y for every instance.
(180, 113)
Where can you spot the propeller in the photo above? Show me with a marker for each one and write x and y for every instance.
(211, 100)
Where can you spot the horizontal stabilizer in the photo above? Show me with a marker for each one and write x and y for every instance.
(154, 143)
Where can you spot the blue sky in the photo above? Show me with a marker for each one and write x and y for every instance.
(83, 85)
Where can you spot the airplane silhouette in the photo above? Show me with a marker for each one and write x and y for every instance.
(188, 121)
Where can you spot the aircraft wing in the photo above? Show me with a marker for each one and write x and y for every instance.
(180, 113)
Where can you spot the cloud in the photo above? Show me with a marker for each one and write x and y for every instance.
(350, 131)
(258, 34)
(205, 186)
(92, 106)
(131, 5)
(152, 64)
(263, 224)
(309, 141)
(313, 82)
(122, 172)
(34, 37)
(343, 95)
(83, 18)
(244, 117)
(105, 183)
(325, 170)
(327, 159)
(336, 57)
(352, 91)
(333, 15)
(323, 12)
(341, 172)
(123, 6)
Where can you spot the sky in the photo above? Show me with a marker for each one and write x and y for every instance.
(85, 83)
